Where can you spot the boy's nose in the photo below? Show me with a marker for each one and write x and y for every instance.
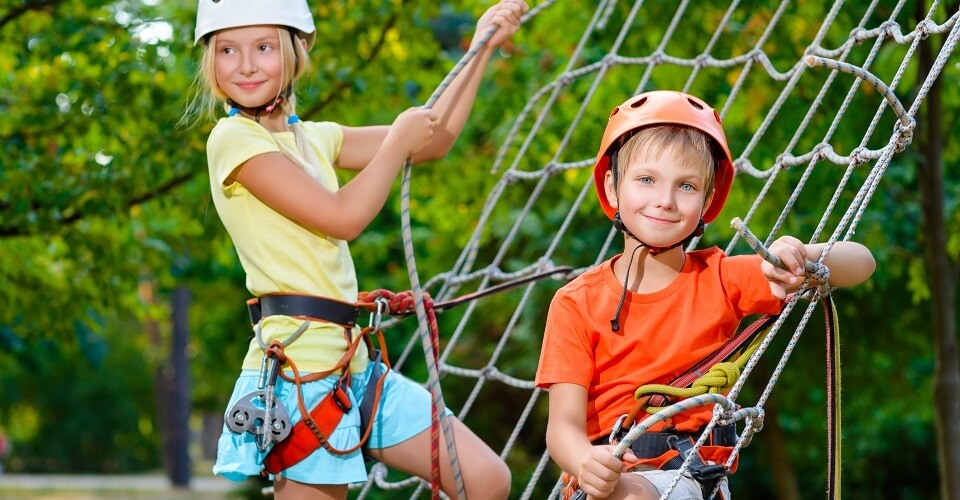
(665, 198)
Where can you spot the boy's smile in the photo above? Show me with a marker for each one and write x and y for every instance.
(660, 200)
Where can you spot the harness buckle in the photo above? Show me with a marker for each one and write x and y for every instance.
(340, 396)
(383, 308)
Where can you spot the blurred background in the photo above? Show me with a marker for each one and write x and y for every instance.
(122, 319)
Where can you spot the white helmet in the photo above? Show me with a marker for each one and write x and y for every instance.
(215, 15)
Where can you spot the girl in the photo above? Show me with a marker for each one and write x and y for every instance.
(274, 187)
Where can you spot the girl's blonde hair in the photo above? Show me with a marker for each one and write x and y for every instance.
(207, 97)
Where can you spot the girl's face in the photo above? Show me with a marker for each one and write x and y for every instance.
(660, 200)
(249, 65)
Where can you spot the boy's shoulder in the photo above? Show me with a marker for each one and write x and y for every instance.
(710, 256)
(586, 282)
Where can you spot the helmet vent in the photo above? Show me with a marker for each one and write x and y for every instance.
(717, 116)
(695, 104)
(638, 103)
(615, 111)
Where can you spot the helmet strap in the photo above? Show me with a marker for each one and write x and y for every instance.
(620, 226)
(264, 109)
(618, 223)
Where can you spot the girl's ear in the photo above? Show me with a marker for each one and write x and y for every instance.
(610, 187)
(303, 42)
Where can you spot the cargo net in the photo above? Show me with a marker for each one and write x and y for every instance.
(813, 124)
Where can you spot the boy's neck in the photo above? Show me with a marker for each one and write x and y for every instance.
(649, 273)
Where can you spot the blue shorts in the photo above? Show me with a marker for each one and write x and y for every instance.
(404, 412)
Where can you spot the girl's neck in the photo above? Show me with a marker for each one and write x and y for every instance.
(274, 122)
(650, 273)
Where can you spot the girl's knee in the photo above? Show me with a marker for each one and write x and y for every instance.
(487, 480)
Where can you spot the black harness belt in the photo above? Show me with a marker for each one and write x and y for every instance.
(303, 306)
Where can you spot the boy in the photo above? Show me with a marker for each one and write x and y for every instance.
(663, 170)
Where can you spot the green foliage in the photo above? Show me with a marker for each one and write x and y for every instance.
(103, 198)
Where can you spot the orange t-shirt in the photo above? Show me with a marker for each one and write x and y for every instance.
(662, 334)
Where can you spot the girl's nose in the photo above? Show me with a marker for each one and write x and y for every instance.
(247, 65)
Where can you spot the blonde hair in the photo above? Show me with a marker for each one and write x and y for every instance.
(207, 96)
(686, 145)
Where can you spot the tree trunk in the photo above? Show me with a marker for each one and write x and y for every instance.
(177, 439)
(942, 280)
(171, 385)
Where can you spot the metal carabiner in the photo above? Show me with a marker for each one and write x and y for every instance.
(383, 308)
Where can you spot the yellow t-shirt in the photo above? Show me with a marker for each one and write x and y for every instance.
(278, 254)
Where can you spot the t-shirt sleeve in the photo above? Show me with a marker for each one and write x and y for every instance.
(747, 289)
(566, 355)
(234, 141)
(330, 138)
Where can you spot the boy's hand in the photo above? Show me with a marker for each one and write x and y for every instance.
(413, 130)
(793, 254)
(505, 14)
(600, 471)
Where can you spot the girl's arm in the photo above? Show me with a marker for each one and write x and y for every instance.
(850, 264)
(453, 107)
(283, 186)
(597, 470)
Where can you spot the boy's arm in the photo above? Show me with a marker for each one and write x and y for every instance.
(596, 468)
(850, 264)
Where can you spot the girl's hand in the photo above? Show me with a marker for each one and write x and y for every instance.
(506, 15)
(793, 254)
(412, 130)
(600, 471)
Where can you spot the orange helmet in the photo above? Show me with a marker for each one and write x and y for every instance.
(664, 107)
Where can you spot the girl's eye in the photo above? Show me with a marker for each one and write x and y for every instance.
(264, 48)
(226, 50)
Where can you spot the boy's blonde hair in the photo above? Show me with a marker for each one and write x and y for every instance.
(686, 145)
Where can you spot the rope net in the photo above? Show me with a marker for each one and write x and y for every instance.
(784, 84)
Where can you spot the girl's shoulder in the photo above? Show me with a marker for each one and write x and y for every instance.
(234, 128)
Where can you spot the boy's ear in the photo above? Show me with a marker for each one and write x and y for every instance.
(611, 189)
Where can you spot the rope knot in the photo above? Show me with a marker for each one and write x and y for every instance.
(721, 377)
(275, 350)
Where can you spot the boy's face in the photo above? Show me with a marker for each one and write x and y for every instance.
(660, 200)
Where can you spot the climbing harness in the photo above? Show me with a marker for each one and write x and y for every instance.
(262, 415)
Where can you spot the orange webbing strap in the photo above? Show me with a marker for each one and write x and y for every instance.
(321, 422)
(326, 416)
